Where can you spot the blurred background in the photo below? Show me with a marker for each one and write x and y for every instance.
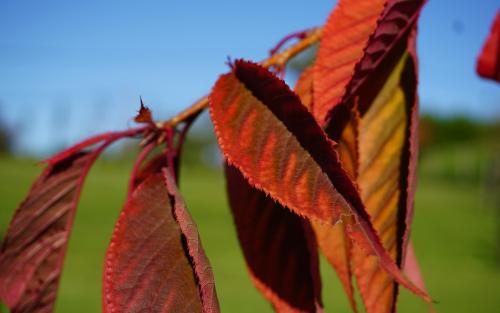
(69, 70)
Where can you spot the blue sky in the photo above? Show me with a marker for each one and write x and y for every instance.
(69, 69)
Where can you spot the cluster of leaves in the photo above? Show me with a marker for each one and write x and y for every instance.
(328, 167)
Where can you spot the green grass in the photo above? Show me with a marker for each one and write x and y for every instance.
(454, 235)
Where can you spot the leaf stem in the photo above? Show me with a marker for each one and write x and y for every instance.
(309, 38)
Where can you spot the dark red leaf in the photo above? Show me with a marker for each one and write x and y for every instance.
(488, 62)
(155, 262)
(35, 244)
(280, 254)
(265, 131)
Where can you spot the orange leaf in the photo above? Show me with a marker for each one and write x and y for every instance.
(344, 39)
(264, 130)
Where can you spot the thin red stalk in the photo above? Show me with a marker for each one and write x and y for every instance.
(183, 134)
(110, 136)
(170, 152)
(137, 165)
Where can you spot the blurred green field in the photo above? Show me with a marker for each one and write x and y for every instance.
(455, 234)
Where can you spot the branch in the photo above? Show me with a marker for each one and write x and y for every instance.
(278, 60)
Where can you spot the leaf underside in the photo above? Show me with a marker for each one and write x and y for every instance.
(155, 262)
(35, 244)
(279, 251)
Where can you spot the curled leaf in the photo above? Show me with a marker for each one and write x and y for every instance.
(279, 252)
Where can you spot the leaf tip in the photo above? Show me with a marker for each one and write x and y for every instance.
(144, 114)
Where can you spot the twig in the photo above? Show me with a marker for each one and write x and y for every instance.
(279, 59)
(296, 35)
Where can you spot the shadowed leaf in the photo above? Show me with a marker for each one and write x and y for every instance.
(155, 262)
(280, 254)
(488, 62)
(265, 131)
(33, 250)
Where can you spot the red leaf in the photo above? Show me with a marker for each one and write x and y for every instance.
(155, 262)
(280, 254)
(265, 131)
(344, 39)
(488, 62)
(33, 250)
